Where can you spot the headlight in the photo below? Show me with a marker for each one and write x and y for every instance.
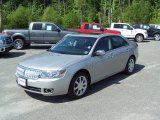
(52, 74)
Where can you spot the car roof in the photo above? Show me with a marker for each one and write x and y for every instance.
(92, 35)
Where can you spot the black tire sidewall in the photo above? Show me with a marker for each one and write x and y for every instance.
(155, 35)
(71, 92)
(126, 69)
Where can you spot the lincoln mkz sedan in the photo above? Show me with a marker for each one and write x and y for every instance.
(76, 62)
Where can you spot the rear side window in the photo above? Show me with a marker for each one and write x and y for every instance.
(117, 26)
(37, 26)
(118, 42)
(86, 26)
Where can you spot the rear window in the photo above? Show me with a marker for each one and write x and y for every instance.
(117, 26)
(37, 26)
(86, 26)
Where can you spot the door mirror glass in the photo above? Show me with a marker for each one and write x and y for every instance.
(102, 29)
(99, 53)
(130, 28)
(58, 30)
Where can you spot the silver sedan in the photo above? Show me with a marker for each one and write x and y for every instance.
(76, 62)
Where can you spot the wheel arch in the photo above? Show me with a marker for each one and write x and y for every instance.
(83, 71)
(139, 34)
(18, 35)
(86, 72)
(133, 57)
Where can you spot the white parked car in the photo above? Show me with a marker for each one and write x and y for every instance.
(129, 32)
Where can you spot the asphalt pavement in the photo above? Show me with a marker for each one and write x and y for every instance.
(120, 97)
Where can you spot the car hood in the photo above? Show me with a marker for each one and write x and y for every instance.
(51, 61)
(140, 30)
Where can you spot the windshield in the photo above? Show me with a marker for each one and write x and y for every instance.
(74, 45)
(60, 26)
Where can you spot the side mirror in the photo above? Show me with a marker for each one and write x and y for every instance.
(102, 29)
(99, 53)
(58, 30)
(130, 28)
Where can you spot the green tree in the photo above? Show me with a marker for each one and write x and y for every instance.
(51, 15)
(19, 18)
(138, 12)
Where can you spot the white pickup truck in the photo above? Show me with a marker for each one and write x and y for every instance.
(129, 32)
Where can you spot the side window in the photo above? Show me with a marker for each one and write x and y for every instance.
(96, 27)
(117, 42)
(86, 26)
(126, 26)
(117, 26)
(103, 44)
(50, 27)
(37, 26)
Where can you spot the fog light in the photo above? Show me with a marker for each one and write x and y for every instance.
(46, 90)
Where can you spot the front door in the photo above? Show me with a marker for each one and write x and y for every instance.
(102, 65)
(51, 33)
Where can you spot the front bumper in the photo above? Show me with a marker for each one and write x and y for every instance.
(6, 48)
(46, 87)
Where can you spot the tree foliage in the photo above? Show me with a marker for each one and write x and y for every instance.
(70, 13)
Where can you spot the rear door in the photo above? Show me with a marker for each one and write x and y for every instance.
(120, 53)
(36, 33)
(85, 28)
(52, 34)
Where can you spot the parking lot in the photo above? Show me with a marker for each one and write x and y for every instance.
(120, 97)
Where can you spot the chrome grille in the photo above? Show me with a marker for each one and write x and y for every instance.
(8, 40)
(32, 74)
(28, 73)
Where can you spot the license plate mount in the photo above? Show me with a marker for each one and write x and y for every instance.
(22, 82)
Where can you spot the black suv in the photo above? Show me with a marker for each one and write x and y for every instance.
(153, 32)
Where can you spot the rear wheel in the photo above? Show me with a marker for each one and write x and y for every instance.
(19, 44)
(130, 66)
(139, 38)
(157, 37)
(78, 86)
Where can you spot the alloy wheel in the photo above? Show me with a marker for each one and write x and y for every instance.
(80, 85)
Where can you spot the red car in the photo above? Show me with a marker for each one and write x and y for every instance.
(91, 27)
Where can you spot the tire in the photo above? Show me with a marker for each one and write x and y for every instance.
(157, 37)
(19, 44)
(130, 66)
(139, 38)
(78, 86)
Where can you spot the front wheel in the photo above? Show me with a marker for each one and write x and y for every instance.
(78, 86)
(130, 66)
(157, 37)
(19, 44)
(139, 38)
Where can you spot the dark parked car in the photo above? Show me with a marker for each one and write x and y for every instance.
(153, 32)
(6, 43)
